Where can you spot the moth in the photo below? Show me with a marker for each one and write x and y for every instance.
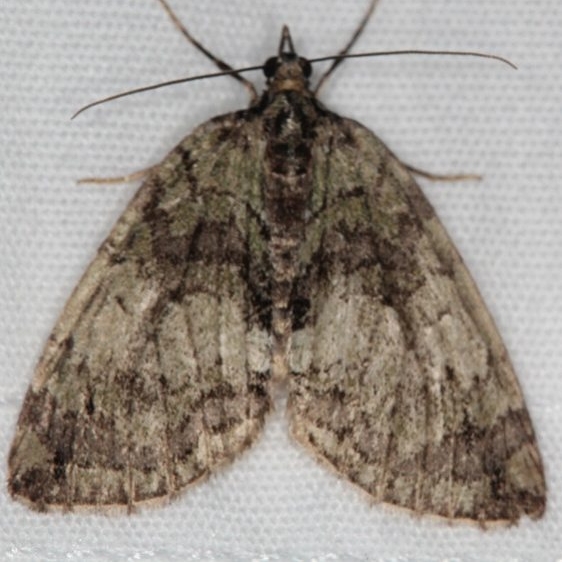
(278, 244)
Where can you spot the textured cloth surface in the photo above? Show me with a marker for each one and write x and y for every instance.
(440, 114)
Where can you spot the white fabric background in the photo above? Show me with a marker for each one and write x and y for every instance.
(444, 115)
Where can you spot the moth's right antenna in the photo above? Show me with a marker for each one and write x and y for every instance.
(221, 65)
(350, 43)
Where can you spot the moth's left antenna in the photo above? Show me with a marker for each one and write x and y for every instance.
(357, 33)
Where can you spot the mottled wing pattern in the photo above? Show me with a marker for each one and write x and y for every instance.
(156, 372)
(400, 379)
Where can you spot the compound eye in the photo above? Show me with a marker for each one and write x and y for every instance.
(270, 67)
(306, 67)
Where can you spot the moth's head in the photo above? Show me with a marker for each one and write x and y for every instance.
(287, 71)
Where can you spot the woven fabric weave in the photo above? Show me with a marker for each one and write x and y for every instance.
(445, 115)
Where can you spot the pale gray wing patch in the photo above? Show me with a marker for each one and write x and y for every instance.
(157, 371)
(400, 379)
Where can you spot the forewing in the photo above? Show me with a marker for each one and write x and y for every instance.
(156, 372)
(400, 379)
